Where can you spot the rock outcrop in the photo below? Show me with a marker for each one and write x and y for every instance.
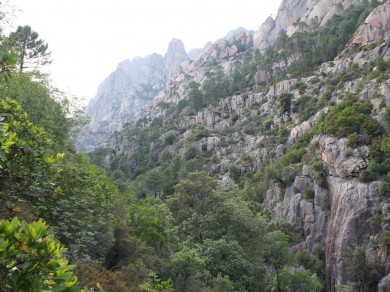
(291, 12)
(375, 28)
(336, 218)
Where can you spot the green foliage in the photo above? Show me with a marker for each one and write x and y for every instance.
(198, 134)
(7, 64)
(285, 102)
(277, 253)
(235, 117)
(98, 156)
(229, 258)
(234, 172)
(222, 284)
(300, 86)
(186, 263)
(318, 171)
(215, 87)
(194, 191)
(385, 239)
(80, 211)
(301, 280)
(151, 222)
(27, 164)
(379, 165)
(286, 278)
(195, 96)
(363, 274)
(191, 153)
(230, 234)
(31, 259)
(314, 261)
(309, 194)
(154, 284)
(181, 105)
(169, 138)
(351, 117)
(45, 106)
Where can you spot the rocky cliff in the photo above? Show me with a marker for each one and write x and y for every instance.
(292, 13)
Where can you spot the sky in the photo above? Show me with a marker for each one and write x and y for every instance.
(88, 38)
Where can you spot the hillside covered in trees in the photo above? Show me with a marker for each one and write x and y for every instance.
(252, 170)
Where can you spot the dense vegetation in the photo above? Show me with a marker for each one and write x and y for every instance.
(159, 219)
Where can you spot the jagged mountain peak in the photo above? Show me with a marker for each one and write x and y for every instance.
(175, 55)
(127, 90)
(175, 46)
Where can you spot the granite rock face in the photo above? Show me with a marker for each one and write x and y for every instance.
(291, 12)
(336, 218)
(376, 26)
(352, 205)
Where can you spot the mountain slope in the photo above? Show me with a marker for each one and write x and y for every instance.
(302, 131)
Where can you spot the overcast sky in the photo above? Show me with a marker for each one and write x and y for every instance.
(88, 38)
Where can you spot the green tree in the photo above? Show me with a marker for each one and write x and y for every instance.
(300, 280)
(195, 96)
(151, 221)
(230, 259)
(31, 259)
(154, 284)
(363, 274)
(80, 211)
(193, 193)
(186, 263)
(278, 255)
(7, 64)
(31, 50)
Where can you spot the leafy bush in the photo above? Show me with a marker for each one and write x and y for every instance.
(351, 117)
(309, 194)
(318, 172)
(169, 138)
(234, 172)
(31, 259)
(235, 117)
(25, 157)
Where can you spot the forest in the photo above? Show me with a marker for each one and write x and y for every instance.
(71, 222)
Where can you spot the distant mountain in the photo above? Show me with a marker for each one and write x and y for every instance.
(127, 90)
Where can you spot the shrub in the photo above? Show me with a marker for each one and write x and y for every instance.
(181, 105)
(31, 259)
(169, 138)
(385, 238)
(309, 194)
(318, 172)
(235, 117)
(234, 172)
(348, 152)
(198, 134)
(352, 117)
